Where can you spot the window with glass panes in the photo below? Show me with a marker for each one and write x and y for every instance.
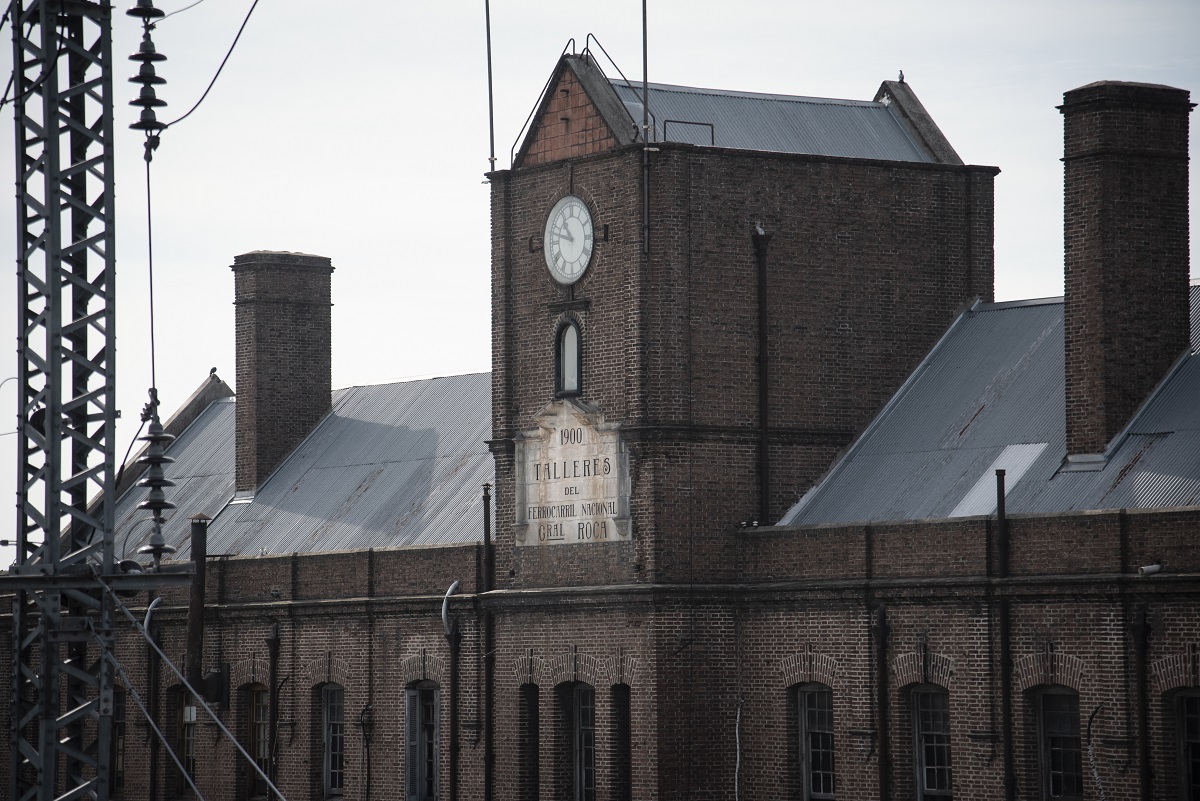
(583, 726)
(815, 706)
(931, 742)
(333, 715)
(1189, 742)
(1061, 755)
(421, 742)
(568, 365)
(258, 709)
(187, 741)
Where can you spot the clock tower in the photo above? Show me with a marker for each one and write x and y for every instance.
(686, 332)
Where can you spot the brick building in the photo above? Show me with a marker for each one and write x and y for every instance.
(779, 309)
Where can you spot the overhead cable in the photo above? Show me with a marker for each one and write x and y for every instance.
(199, 698)
(218, 73)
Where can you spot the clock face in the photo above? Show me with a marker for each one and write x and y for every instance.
(569, 240)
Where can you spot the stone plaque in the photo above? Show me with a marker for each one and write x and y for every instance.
(572, 478)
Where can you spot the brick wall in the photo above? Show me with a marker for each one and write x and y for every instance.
(569, 125)
(868, 264)
(1126, 250)
(284, 377)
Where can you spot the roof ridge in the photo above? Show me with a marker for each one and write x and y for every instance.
(782, 98)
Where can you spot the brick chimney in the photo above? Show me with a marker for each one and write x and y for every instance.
(1126, 251)
(283, 356)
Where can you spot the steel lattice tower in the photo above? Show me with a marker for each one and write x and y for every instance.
(62, 623)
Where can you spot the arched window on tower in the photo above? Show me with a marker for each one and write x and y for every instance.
(568, 360)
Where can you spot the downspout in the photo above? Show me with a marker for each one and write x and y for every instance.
(1141, 637)
(152, 694)
(453, 638)
(489, 649)
(761, 239)
(645, 139)
(273, 701)
(1006, 699)
(881, 689)
(366, 718)
(195, 624)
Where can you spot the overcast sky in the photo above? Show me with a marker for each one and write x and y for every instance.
(359, 131)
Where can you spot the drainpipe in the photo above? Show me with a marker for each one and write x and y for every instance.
(881, 688)
(1141, 636)
(761, 239)
(195, 624)
(273, 702)
(453, 638)
(489, 649)
(152, 694)
(645, 139)
(1006, 696)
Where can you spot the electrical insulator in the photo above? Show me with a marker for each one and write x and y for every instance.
(156, 481)
(146, 77)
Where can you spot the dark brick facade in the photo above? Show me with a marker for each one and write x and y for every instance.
(706, 627)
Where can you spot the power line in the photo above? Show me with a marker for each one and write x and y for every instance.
(137, 699)
(181, 10)
(119, 604)
(218, 73)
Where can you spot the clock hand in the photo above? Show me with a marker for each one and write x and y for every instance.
(567, 230)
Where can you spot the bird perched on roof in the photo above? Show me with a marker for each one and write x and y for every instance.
(901, 76)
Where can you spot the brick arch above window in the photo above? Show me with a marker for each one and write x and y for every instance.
(573, 666)
(922, 667)
(423, 666)
(1048, 667)
(1177, 671)
(326, 669)
(249, 671)
(809, 666)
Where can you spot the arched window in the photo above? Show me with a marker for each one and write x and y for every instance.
(421, 712)
(931, 741)
(333, 740)
(1060, 753)
(622, 743)
(256, 703)
(814, 719)
(583, 735)
(529, 743)
(568, 360)
(185, 736)
(1187, 715)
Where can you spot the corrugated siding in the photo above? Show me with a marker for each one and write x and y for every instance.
(997, 380)
(774, 123)
(394, 464)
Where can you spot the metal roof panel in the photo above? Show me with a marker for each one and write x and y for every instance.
(774, 123)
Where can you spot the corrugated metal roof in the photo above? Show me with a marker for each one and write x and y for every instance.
(203, 474)
(391, 465)
(995, 381)
(774, 123)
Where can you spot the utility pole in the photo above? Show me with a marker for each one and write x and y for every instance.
(62, 622)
